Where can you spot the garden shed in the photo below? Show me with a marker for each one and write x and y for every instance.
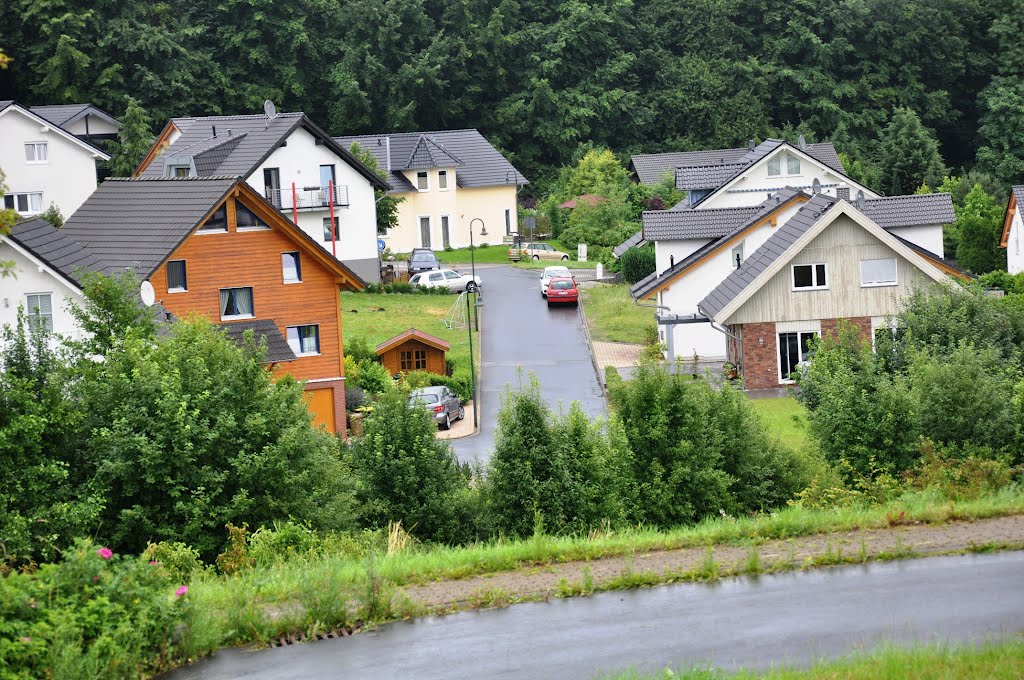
(413, 350)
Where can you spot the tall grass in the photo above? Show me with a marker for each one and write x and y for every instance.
(310, 593)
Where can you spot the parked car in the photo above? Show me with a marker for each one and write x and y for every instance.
(550, 273)
(422, 260)
(562, 290)
(447, 278)
(441, 402)
(536, 251)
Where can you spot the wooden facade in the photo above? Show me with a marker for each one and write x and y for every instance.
(253, 258)
(413, 350)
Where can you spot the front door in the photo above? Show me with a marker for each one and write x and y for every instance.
(425, 232)
(326, 180)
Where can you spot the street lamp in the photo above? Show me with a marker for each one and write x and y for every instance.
(476, 317)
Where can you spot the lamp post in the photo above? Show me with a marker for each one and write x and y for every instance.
(476, 318)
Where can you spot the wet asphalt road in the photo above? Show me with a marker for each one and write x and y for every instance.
(790, 619)
(519, 331)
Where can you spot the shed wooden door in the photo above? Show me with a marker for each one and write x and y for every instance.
(321, 405)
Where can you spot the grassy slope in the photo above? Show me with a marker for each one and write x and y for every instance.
(996, 660)
(786, 417)
(361, 318)
(613, 317)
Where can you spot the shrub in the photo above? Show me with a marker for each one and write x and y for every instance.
(559, 467)
(637, 263)
(460, 383)
(282, 541)
(407, 475)
(93, 614)
(697, 449)
(359, 349)
(961, 473)
(367, 375)
(190, 433)
(177, 559)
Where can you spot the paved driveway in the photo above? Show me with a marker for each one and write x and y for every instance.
(520, 332)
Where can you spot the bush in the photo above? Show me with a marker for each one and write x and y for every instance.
(637, 264)
(407, 475)
(191, 433)
(359, 349)
(91, 615)
(961, 473)
(284, 540)
(697, 450)
(404, 288)
(355, 398)
(367, 375)
(558, 468)
(177, 559)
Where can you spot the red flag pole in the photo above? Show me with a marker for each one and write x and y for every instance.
(330, 188)
(295, 206)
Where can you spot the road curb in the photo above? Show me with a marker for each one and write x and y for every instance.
(590, 348)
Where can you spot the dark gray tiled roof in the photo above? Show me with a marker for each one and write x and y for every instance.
(636, 240)
(905, 211)
(706, 176)
(135, 224)
(260, 137)
(64, 114)
(429, 154)
(651, 168)
(663, 225)
(760, 211)
(55, 248)
(1018, 193)
(481, 164)
(4, 103)
(777, 244)
(278, 349)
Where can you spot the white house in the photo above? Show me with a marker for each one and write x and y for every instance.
(293, 164)
(829, 262)
(41, 284)
(43, 163)
(450, 181)
(1012, 234)
(736, 200)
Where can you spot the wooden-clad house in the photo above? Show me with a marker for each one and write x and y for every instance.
(215, 247)
(413, 350)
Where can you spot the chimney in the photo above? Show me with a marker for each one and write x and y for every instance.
(229, 132)
(750, 145)
(214, 130)
(843, 192)
(801, 143)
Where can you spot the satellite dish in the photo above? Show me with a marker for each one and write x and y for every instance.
(270, 109)
(147, 293)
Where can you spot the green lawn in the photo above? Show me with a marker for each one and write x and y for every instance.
(377, 317)
(613, 317)
(786, 417)
(497, 253)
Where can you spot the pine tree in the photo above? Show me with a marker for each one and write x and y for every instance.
(979, 223)
(909, 155)
(133, 140)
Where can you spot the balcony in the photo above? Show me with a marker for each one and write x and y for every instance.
(306, 198)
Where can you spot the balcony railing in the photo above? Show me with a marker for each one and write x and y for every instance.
(306, 197)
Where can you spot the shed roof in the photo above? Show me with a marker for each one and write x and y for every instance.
(413, 334)
(278, 349)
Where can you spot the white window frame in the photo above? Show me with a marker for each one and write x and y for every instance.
(814, 276)
(298, 266)
(508, 222)
(13, 197)
(737, 250)
(337, 229)
(35, 146)
(252, 295)
(442, 186)
(446, 221)
(426, 179)
(295, 350)
(203, 229)
(177, 290)
(777, 158)
(778, 350)
(881, 284)
(419, 230)
(29, 313)
(792, 158)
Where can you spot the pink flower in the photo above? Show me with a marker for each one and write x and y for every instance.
(181, 591)
(105, 553)
(153, 563)
(26, 640)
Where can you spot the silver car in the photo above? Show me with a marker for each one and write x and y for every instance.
(441, 402)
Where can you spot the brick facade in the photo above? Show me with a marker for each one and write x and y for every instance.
(761, 353)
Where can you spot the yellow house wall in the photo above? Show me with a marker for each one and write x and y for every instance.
(461, 204)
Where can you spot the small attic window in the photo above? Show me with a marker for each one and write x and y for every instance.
(218, 221)
(180, 171)
(247, 220)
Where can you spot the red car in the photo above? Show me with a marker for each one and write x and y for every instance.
(563, 290)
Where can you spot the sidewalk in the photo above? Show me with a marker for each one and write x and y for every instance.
(620, 355)
(460, 428)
